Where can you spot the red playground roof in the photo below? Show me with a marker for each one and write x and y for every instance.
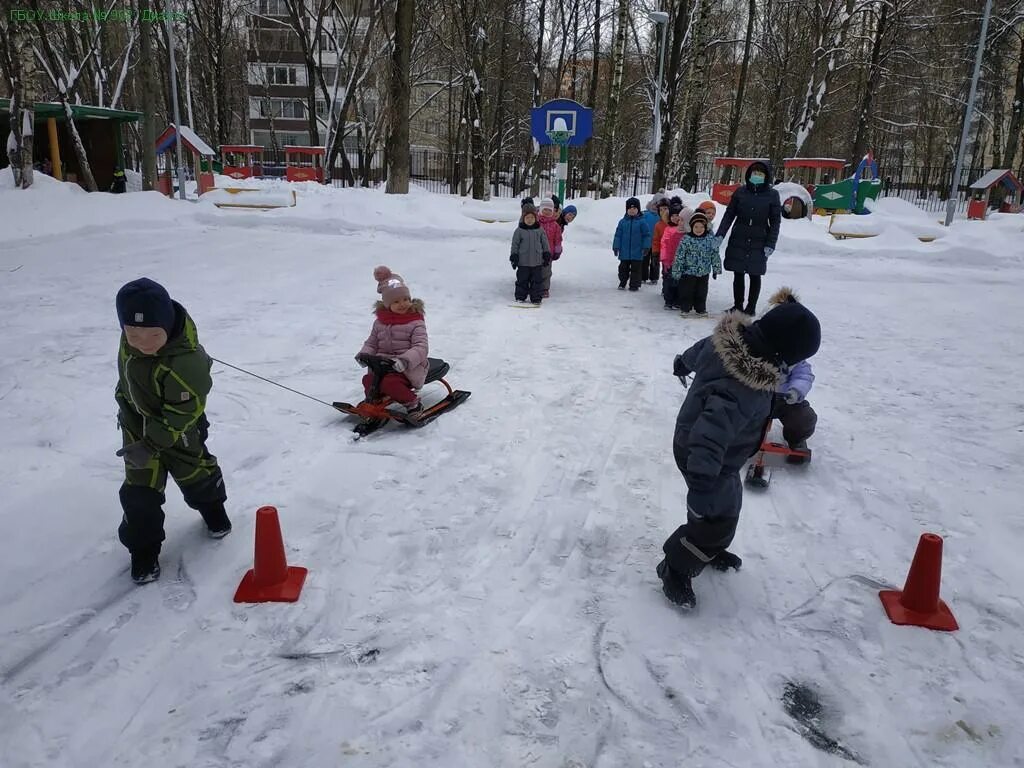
(246, 148)
(813, 162)
(739, 160)
(304, 150)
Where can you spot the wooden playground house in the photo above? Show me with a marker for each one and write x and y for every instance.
(242, 161)
(997, 189)
(721, 191)
(304, 163)
(809, 172)
(192, 145)
(99, 129)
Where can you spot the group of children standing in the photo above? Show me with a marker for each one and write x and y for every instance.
(675, 241)
(536, 244)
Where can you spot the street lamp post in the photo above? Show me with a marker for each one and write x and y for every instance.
(660, 18)
(954, 187)
(174, 101)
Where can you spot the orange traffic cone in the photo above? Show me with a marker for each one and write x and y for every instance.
(271, 580)
(918, 604)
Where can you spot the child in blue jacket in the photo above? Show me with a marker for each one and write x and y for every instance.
(696, 258)
(631, 242)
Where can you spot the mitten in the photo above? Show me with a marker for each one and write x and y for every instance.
(792, 397)
(136, 455)
(361, 359)
(515, 262)
(768, 252)
(398, 364)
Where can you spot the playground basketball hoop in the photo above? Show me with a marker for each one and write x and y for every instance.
(561, 138)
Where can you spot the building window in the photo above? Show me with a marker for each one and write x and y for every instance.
(281, 75)
(285, 108)
(276, 40)
(273, 8)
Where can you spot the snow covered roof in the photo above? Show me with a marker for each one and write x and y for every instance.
(78, 111)
(994, 177)
(191, 139)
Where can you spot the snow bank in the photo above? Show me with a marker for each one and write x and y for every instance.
(50, 207)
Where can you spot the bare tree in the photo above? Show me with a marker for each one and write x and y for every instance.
(399, 94)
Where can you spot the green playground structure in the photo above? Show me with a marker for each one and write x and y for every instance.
(850, 195)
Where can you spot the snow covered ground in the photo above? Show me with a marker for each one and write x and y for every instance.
(482, 591)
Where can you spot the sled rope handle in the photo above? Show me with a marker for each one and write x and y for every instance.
(276, 384)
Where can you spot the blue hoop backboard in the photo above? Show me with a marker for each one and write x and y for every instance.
(579, 121)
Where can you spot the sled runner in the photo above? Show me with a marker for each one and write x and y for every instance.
(759, 474)
(373, 413)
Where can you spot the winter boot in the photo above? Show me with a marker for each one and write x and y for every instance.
(677, 588)
(145, 565)
(800, 445)
(668, 306)
(701, 314)
(622, 286)
(218, 525)
(413, 412)
(750, 310)
(725, 560)
(634, 288)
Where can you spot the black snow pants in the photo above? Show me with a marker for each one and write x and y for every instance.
(692, 293)
(798, 420)
(631, 270)
(695, 544)
(530, 282)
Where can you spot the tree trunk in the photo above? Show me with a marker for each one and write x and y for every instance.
(538, 83)
(19, 65)
(148, 90)
(664, 150)
(595, 66)
(1016, 114)
(737, 104)
(615, 92)
(497, 124)
(860, 141)
(695, 89)
(398, 137)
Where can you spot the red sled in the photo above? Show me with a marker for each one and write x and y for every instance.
(759, 474)
(373, 413)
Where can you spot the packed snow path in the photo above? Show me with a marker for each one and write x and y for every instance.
(482, 591)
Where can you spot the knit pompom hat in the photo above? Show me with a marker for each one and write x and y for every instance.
(390, 286)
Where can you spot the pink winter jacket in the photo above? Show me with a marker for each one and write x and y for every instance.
(401, 336)
(669, 242)
(554, 233)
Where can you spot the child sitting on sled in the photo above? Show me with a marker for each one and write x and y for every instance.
(398, 333)
(790, 406)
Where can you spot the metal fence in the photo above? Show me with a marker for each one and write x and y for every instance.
(925, 186)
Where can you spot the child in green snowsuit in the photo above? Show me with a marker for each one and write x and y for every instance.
(163, 382)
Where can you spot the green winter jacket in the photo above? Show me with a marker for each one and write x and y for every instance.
(161, 397)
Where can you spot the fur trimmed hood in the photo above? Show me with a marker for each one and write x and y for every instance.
(784, 295)
(417, 307)
(738, 359)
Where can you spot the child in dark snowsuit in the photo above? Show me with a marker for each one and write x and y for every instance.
(632, 242)
(531, 252)
(757, 212)
(163, 382)
(696, 258)
(790, 406)
(736, 373)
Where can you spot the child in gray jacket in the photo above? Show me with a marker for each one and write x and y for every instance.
(531, 252)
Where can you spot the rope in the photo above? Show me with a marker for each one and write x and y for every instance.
(271, 381)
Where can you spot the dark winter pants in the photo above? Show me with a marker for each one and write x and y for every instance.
(546, 272)
(631, 270)
(530, 282)
(692, 293)
(394, 385)
(738, 289)
(651, 267)
(695, 544)
(798, 421)
(669, 289)
(195, 471)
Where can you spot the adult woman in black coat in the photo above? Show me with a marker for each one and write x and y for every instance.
(757, 212)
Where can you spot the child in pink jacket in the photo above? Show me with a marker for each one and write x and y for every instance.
(678, 217)
(549, 223)
(400, 333)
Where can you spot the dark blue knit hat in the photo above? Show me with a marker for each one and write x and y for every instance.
(633, 202)
(146, 304)
(792, 331)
